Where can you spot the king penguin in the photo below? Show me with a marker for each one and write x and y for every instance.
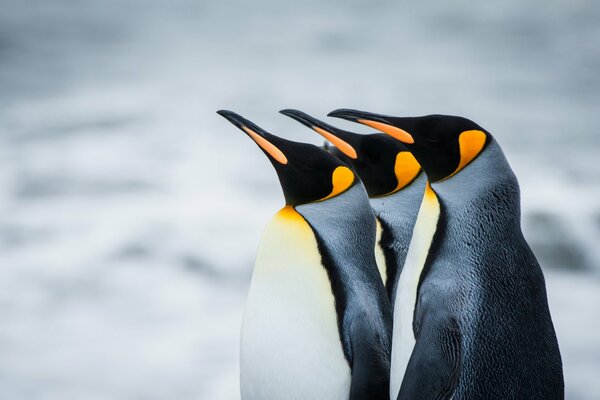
(394, 182)
(474, 317)
(317, 322)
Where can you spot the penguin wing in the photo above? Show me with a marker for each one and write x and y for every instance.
(433, 368)
(370, 359)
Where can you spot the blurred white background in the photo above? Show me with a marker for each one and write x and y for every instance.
(130, 212)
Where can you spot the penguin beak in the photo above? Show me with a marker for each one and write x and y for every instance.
(377, 121)
(340, 139)
(262, 138)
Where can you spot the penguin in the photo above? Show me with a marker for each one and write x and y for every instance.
(394, 182)
(317, 322)
(472, 303)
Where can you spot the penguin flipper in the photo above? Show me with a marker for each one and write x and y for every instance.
(370, 360)
(434, 366)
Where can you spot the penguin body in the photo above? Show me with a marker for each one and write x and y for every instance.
(473, 316)
(481, 311)
(317, 323)
(346, 242)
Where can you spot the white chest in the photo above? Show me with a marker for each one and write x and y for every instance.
(403, 339)
(379, 255)
(290, 345)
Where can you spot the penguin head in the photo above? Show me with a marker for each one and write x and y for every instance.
(442, 144)
(383, 164)
(306, 172)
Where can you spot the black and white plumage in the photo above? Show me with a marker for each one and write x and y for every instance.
(394, 182)
(479, 321)
(317, 323)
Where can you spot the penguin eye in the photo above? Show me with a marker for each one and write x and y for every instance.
(432, 139)
(372, 156)
(304, 167)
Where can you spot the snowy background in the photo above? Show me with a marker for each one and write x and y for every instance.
(130, 212)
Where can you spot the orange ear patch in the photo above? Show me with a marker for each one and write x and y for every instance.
(267, 146)
(341, 179)
(406, 168)
(342, 145)
(470, 144)
(395, 132)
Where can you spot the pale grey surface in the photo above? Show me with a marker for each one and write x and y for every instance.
(130, 211)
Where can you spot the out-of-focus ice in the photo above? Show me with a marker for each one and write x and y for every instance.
(130, 212)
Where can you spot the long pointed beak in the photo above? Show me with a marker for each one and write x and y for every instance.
(340, 139)
(377, 121)
(261, 137)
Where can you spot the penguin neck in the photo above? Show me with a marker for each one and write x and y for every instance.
(346, 225)
(486, 186)
(396, 209)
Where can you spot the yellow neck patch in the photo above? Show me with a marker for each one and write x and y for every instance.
(393, 131)
(429, 193)
(289, 213)
(342, 145)
(406, 169)
(470, 144)
(341, 179)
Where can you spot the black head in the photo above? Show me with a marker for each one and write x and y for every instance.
(442, 144)
(306, 172)
(383, 164)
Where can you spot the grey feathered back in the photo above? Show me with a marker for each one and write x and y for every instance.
(482, 299)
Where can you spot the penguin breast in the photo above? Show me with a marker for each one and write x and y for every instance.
(290, 345)
(403, 339)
